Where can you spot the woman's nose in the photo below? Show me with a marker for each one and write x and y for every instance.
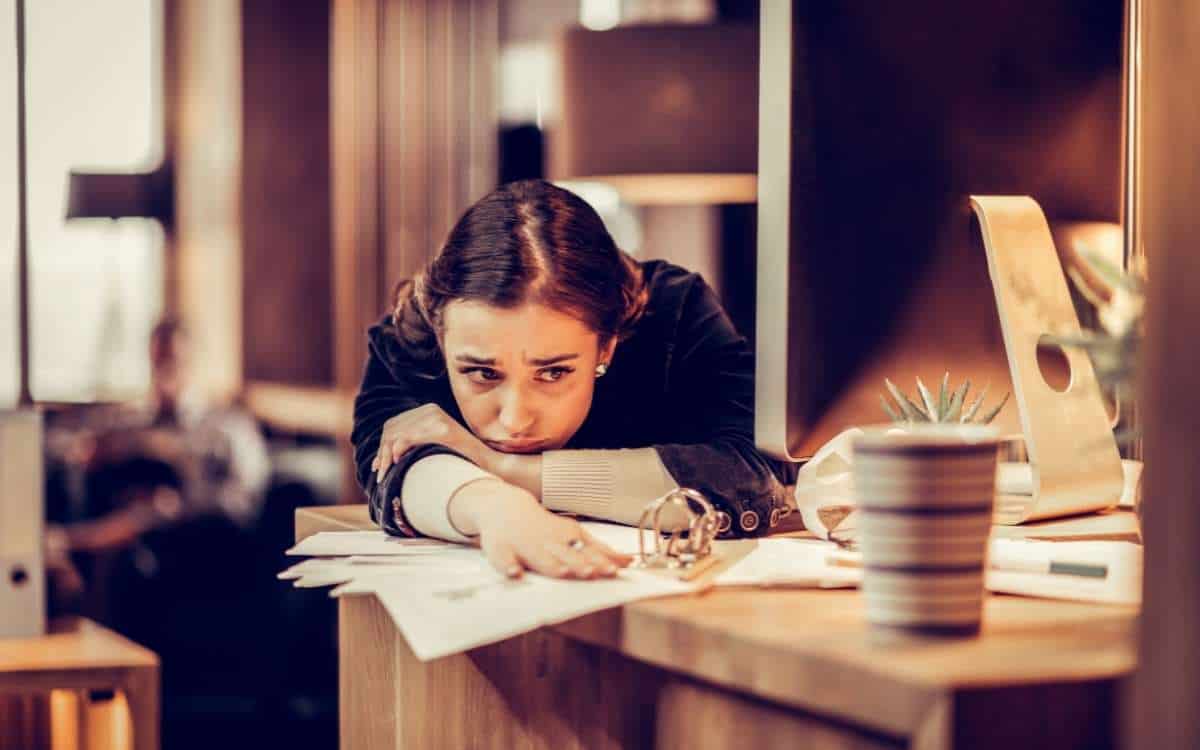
(516, 416)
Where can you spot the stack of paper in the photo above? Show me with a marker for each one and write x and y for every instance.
(1108, 572)
(445, 598)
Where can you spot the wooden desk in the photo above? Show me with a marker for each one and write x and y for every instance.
(78, 654)
(762, 669)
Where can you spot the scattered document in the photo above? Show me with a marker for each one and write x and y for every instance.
(338, 543)
(1105, 572)
(798, 563)
(458, 612)
(445, 598)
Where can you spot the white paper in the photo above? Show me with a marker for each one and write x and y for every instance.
(1133, 482)
(297, 570)
(621, 538)
(789, 562)
(464, 611)
(1122, 585)
(445, 598)
(340, 543)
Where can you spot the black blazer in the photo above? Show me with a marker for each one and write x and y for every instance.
(683, 383)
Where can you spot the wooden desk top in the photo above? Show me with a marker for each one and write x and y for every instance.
(76, 651)
(812, 649)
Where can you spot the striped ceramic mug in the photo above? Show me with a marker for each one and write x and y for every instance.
(925, 495)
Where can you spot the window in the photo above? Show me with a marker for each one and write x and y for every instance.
(93, 84)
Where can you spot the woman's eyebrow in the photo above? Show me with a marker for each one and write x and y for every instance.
(473, 360)
(546, 361)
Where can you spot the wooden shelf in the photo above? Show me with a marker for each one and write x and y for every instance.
(319, 411)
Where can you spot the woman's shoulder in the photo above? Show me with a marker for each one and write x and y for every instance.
(404, 359)
(669, 286)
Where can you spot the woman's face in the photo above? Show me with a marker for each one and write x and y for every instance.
(523, 378)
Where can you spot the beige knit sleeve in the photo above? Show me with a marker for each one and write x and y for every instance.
(611, 485)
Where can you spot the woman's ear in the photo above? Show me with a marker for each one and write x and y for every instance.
(606, 350)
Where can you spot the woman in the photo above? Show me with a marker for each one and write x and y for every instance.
(534, 367)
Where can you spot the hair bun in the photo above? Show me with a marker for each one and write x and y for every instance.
(635, 294)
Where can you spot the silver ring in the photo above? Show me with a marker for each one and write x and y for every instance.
(576, 544)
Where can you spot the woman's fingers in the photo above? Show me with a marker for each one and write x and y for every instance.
(397, 440)
(383, 461)
(399, 447)
(505, 561)
(377, 465)
(578, 563)
(390, 452)
(600, 561)
(541, 561)
(618, 558)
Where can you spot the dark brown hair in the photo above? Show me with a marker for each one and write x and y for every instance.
(527, 241)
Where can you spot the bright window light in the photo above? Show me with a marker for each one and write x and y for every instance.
(96, 286)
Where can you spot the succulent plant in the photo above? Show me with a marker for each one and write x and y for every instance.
(1120, 309)
(948, 407)
(1114, 348)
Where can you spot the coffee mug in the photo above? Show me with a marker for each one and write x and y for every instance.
(925, 496)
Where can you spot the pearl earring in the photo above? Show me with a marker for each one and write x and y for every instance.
(601, 369)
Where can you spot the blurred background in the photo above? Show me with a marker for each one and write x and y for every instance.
(222, 194)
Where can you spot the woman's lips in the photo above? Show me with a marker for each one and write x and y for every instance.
(517, 446)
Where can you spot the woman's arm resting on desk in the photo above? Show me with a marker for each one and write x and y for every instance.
(449, 497)
(389, 387)
(711, 394)
(611, 485)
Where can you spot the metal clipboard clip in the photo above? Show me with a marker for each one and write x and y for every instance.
(687, 551)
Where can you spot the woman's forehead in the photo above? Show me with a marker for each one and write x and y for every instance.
(529, 331)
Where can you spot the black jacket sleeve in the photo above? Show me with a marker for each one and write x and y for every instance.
(710, 386)
(388, 388)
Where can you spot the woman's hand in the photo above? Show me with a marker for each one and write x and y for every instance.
(517, 533)
(426, 424)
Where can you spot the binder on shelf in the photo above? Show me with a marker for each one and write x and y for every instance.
(22, 574)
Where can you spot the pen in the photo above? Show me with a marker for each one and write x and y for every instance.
(1003, 562)
(1000, 561)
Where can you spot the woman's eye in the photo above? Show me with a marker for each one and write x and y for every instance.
(480, 374)
(553, 374)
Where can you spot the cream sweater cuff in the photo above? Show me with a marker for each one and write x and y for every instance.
(613, 485)
(429, 486)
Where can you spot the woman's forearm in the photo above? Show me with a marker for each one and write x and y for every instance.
(522, 470)
(612, 485)
(471, 504)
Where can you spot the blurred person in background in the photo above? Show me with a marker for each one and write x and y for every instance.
(119, 472)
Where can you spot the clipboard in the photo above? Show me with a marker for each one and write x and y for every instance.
(690, 553)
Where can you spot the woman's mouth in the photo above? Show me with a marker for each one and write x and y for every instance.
(517, 446)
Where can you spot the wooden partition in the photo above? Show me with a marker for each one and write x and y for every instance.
(287, 298)
(414, 134)
(322, 150)
(1167, 690)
